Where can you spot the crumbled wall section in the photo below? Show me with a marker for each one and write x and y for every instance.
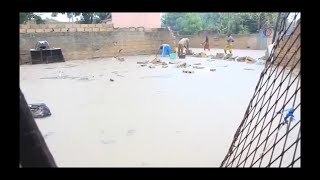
(292, 43)
(219, 41)
(89, 41)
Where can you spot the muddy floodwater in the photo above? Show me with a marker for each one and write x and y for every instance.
(142, 117)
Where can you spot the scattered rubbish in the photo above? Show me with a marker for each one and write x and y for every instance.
(107, 142)
(203, 55)
(142, 62)
(111, 80)
(181, 64)
(248, 69)
(121, 59)
(211, 56)
(228, 57)
(212, 70)
(250, 60)
(198, 67)
(223, 66)
(210, 60)
(152, 66)
(164, 63)
(197, 64)
(219, 55)
(189, 52)
(260, 62)
(130, 132)
(164, 66)
(143, 65)
(39, 110)
(155, 61)
(188, 71)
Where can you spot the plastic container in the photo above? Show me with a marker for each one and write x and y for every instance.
(173, 56)
(182, 56)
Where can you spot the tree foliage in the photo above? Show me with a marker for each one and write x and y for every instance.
(235, 23)
(29, 16)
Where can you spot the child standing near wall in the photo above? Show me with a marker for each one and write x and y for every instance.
(229, 45)
(206, 44)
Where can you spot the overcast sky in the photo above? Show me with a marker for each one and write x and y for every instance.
(64, 18)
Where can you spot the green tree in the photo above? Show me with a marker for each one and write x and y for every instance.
(185, 23)
(29, 16)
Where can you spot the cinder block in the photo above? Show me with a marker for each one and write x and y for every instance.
(72, 29)
(39, 30)
(56, 30)
(91, 25)
(24, 26)
(76, 25)
(31, 30)
(80, 29)
(109, 29)
(61, 26)
(107, 25)
(44, 26)
(95, 29)
(102, 29)
(84, 25)
(23, 30)
(52, 26)
(34, 26)
(88, 29)
(98, 25)
(64, 29)
(68, 25)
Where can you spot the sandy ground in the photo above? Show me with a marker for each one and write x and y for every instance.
(146, 117)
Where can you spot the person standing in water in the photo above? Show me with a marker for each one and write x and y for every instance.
(229, 45)
(206, 44)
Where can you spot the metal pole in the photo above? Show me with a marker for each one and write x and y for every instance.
(275, 29)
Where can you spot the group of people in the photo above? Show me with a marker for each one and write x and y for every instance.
(184, 43)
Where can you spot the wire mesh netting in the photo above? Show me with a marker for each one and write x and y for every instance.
(269, 134)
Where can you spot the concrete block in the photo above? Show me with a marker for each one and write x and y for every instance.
(102, 29)
(34, 26)
(76, 25)
(68, 25)
(52, 26)
(88, 29)
(80, 29)
(95, 29)
(84, 25)
(64, 29)
(39, 30)
(47, 30)
(109, 29)
(91, 25)
(98, 25)
(56, 29)
(24, 26)
(61, 26)
(23, 30)
(72, 29)
(44, 26)
(31, 30)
